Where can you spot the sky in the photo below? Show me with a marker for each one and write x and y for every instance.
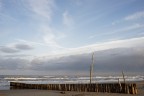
(58, 37)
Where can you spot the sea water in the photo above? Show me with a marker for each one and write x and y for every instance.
(6, 79)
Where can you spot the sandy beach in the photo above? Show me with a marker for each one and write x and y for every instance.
(59, 93)
(31, 92)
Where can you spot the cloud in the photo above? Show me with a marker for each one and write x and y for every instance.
(15, 48)
(16, 56)
(111, 60)
(109, 57)
(31, 42)
(134, 16)
(60, 51)
(51, 37)
(129, 28)
(42, 8)
(67, 19)
(17, 63)
(137, 15)
(128, 43)
(7, 49)
(23, 46)
(106, 61)
(125, 29)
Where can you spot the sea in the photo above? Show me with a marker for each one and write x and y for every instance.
(33, 79)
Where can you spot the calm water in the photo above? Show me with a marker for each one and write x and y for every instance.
(5, 79)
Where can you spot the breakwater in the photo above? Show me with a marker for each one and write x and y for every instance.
(129, 88)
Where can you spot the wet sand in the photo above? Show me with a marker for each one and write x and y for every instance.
(59, 93)
(30, 92)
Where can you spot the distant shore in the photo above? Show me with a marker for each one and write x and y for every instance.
(30, 92)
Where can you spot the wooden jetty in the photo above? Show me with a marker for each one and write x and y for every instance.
(129, 88)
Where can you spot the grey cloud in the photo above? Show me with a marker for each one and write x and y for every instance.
(15, 48)
(23, 47)
(19, 55)
(8, 50)
(113, 60)
(13, 64)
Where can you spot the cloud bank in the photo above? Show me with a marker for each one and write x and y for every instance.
(106, 61)
(111, 57)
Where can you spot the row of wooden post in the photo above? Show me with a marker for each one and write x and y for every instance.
(110, 87)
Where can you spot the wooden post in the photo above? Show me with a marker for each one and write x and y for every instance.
(133, 91)
(91, 68)
(135, 88)
(119, 85)
(127, 88)
(123, 76)
(124, 82)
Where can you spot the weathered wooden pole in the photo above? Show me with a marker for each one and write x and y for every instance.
(123, 76)
(125, 87)
(120, 87)
(91, 68)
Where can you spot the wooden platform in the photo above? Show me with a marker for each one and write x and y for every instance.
(129, 88)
